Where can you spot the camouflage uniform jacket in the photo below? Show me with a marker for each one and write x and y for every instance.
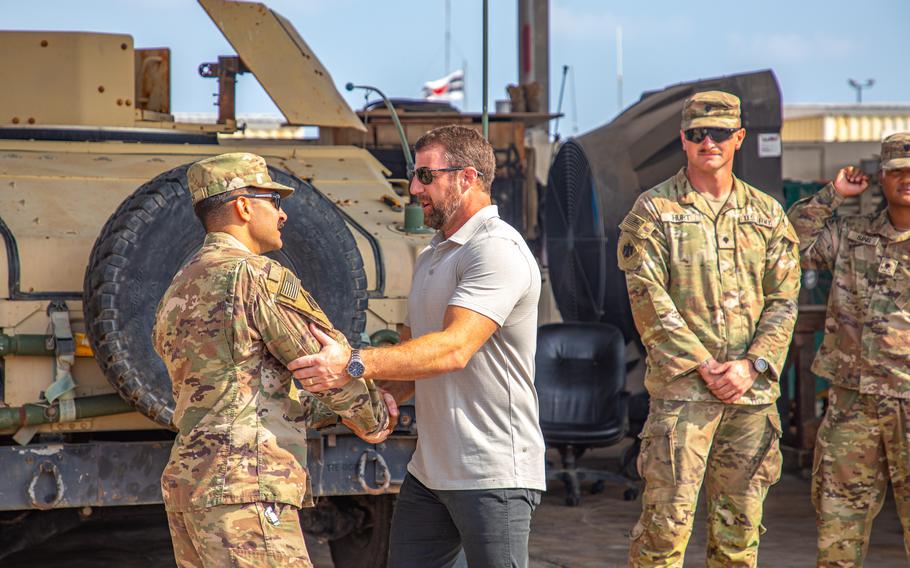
(225, 329)
(702, 288)
(867, 329)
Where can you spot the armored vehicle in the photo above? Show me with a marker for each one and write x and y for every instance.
(95, 221)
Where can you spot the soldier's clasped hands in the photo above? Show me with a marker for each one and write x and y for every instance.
(728, 381)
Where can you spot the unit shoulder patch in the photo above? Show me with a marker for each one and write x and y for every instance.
(628, 252)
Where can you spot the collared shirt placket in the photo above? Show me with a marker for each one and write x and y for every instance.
(422, 282)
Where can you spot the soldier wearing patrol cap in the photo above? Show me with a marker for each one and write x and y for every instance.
(712, 270)
(226, 327)
(864, 439)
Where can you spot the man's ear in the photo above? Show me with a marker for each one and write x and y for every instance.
(242, 209)
(740, 136)
(470, 176)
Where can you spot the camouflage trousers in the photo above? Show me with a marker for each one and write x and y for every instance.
(249, 535)
(734, 450)
(863, 442)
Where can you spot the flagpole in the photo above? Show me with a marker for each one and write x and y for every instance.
(485, 118)
(448, 34)
(619, 65)
(464, 91)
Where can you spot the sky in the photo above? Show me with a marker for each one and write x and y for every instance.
(813, 46)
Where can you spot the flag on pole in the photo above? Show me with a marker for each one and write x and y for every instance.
(449, 88)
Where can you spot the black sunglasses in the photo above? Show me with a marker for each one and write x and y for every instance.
(425, 175)
(697, 135)
(273, 195)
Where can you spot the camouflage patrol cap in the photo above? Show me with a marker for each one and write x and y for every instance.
(227, 172)
(896, 151)
(711, 109)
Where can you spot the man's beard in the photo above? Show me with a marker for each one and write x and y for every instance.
(441, 213)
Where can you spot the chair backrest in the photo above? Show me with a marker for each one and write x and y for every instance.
(581, 373)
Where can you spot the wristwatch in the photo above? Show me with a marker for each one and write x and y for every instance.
(760, 364)
(355, 366)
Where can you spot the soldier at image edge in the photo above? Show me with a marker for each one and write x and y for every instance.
(226, 328)
(712, 270)
(864, 439)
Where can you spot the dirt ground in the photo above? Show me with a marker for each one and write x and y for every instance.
(594, 534)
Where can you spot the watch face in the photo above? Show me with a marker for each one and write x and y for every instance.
(761, 365)
(355, 369)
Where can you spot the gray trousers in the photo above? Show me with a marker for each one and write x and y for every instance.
(430, 527)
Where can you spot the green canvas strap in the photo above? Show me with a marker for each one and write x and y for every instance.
(65, 353)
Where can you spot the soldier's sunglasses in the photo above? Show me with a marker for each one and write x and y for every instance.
(273, 195)
(425, 175)
(697, 135)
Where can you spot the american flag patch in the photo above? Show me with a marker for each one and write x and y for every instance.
(290, 286)
(636, 225)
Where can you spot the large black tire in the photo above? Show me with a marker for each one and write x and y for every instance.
(368, 546)
(154, 232)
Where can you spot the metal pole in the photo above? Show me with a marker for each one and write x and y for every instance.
(859, 87)
(85, 407)
(562, 90)
(485, 120)
(534, 48)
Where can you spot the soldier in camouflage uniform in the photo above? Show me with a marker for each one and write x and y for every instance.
(864, 439)
(712, 270)
(227, 326)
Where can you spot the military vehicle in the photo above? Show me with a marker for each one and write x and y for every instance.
(95, 220)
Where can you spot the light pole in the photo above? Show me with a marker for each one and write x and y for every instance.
(859, 87)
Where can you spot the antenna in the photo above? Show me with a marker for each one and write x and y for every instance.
(562, 90)
(405, 147)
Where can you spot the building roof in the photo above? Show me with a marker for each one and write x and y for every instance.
(803, 110)
(862, 122)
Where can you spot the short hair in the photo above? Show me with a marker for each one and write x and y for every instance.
(462, 147)
(214, 211)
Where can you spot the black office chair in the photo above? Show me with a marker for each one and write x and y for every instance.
(580, 379)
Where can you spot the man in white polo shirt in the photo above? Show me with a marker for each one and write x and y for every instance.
(468, 350)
